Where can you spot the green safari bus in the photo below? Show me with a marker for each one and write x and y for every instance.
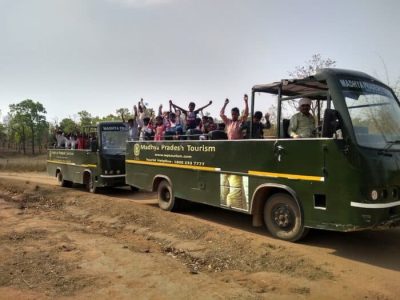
(346, 178)
(101, 164)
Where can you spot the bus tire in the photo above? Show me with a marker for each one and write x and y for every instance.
(62, 182)
(166, 198)
(90, 185)
(283, 218)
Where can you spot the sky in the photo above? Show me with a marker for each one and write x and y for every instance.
(101, 55)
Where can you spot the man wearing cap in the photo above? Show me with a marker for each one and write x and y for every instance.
(302, 124)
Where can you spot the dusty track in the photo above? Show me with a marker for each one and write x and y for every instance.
(57, 242)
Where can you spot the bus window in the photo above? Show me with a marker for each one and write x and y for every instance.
(114, 142)
(374, 113)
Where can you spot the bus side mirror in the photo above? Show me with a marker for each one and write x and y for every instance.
(331, 123)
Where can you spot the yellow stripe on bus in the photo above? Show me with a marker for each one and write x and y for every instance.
(256, 173)
(71, 164)
(288, 176)
(153, 163)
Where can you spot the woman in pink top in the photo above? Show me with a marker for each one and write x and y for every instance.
(233, 125)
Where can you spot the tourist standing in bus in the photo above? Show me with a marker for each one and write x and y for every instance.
(147, 132)
(73, 141)
(180, 120)
(60, 139)
(302, 124)
(233, 126)
(141, 115)
(159, 129)
(173, 127)
(191, 114)
(258, 126)
(133, 131)
(80, 141)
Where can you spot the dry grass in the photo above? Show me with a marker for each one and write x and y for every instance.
(22, 163)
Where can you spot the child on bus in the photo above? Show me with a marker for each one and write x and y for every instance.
(191, 114)
(159, 129)
(141, 114)
(146, 132)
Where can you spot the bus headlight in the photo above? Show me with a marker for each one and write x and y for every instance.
(118, 172)
(374, 195)
(111, 172)
(106, 172)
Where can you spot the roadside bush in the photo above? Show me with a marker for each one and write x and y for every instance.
(22, 163)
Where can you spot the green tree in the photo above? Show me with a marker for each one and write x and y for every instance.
(42, 135)
(17, 131)
(312, 66)
(67, 125)
(3, 135)
(110, 117)
(309, 68)
(123, 114)
(85, 118)
(28, 116)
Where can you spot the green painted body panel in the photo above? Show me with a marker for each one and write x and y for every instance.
(331, 179)
(73, 163)
(343, 179)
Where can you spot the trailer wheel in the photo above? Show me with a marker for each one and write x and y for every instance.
(283, 218)
(89, 184)
(166, 198)
(62, 182)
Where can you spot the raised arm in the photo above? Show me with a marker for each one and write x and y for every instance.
(222, 112)
(141, 103)
(201, 108)
(152, 118)
(135, 112)
(246, 108)
(176, 106)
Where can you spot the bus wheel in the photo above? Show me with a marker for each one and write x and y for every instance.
(89, 183)
(166, 199)
(62, 182)
(283, 218)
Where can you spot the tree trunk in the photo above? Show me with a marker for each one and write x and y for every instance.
(33, 139)
(23, 140)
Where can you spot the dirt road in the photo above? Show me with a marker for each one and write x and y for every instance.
(67, 243)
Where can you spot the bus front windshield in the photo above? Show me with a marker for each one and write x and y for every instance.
(374, 112)
(114, 142)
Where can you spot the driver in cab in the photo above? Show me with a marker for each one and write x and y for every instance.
(302, 124)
